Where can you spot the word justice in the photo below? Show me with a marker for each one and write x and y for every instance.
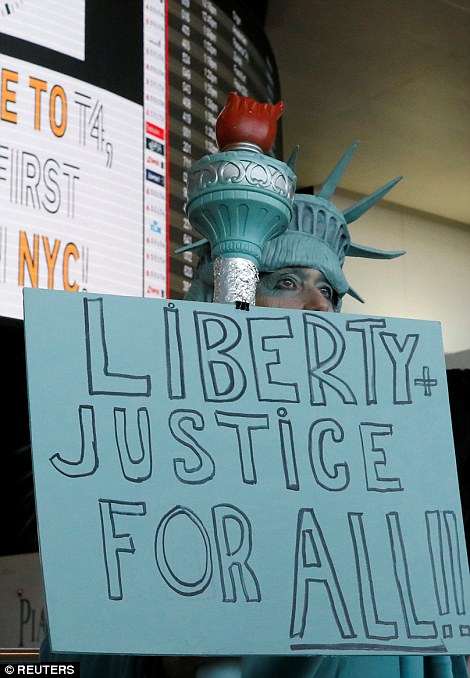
(322, 453)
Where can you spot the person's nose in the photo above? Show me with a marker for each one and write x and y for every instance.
(314, 300)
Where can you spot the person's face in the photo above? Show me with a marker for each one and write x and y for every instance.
(295, 287)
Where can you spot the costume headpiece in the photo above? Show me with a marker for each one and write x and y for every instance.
(317, 237)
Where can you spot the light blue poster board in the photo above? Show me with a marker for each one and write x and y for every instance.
(214, 481)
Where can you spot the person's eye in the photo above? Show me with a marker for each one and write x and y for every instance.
(286, 283)
(327, 292)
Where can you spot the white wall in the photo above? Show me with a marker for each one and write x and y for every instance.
(431, 282)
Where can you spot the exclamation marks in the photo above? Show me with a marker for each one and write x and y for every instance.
(444, 548)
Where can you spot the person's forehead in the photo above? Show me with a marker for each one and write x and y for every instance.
(303, 271)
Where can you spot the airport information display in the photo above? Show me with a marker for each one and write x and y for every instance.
(213, 49)
(100, 119)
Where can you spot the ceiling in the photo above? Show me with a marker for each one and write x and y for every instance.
(394, 76)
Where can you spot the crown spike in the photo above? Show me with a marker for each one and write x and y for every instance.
(357, 210)
(332, 181)
(192, 246)
(356, 250)
(293, 158)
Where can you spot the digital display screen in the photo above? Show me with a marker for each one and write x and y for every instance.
(103, 109)
(214, 48)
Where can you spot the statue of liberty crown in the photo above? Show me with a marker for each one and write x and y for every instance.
(317, 236)
(318, 216)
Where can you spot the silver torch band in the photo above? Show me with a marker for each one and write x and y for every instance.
(235, 280)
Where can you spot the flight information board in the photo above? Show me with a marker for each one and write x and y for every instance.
(102, 112)
(214, 48)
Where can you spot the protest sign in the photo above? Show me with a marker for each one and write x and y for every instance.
(214, 481)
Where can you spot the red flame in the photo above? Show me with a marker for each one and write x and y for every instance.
(245, 120)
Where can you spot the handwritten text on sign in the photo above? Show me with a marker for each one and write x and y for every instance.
(268, 482)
